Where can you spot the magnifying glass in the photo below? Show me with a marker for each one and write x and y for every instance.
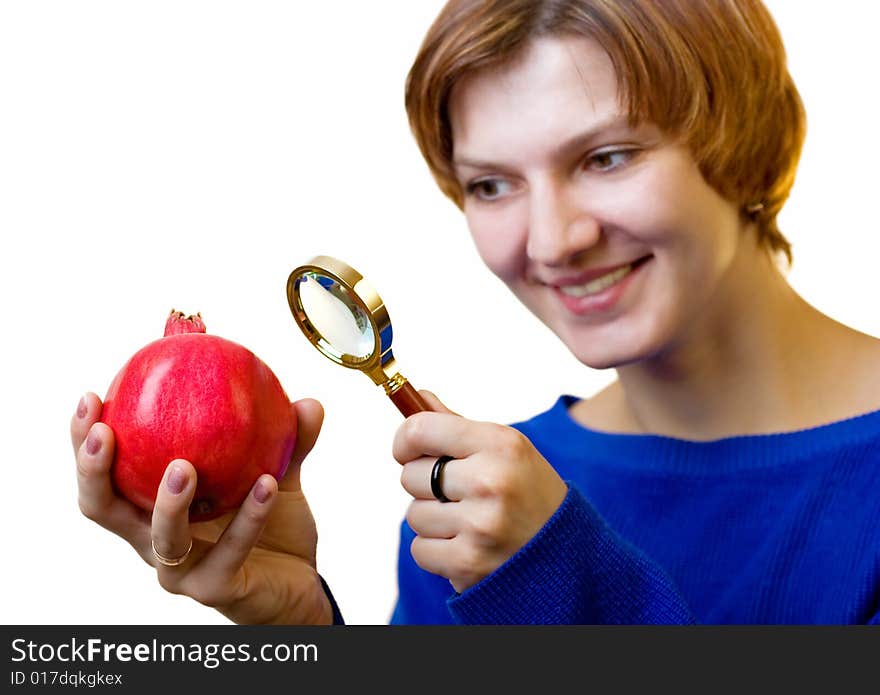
(346, 320)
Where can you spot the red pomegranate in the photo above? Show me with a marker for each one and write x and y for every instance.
(205, 399)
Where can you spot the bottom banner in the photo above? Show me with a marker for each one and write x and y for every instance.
(147, 658)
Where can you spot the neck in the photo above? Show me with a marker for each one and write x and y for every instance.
(757, 360)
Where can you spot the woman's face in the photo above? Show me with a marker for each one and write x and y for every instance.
(608, 234)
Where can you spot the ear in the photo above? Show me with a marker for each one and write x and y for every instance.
(435, 403)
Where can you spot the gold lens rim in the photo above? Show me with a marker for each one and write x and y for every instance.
(361, 293)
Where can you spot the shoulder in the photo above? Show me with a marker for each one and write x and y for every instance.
(851, 379)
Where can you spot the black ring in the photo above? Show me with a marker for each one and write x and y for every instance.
(436, 472)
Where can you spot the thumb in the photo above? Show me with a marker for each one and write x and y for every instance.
(309, 418)
(435, 403)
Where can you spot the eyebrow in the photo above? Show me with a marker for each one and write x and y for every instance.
(576, 142)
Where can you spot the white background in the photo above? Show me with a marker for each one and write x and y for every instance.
(189, 154)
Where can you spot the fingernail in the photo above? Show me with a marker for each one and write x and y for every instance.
(93, 443)
(261, 492)
(176, 480)
(81, 408)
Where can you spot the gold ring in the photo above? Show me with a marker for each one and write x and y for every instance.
(171, 561)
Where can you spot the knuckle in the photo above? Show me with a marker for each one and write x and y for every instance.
(416, 427)
(491, 482)
(407, 440)
(482, 486)
(252, 516)
(512, 444)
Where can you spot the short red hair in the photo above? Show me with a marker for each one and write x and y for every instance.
(713, 72)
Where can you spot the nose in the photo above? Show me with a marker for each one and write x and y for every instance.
(561, 225)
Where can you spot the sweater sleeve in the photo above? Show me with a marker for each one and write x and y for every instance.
(337, 614)
(575, 570)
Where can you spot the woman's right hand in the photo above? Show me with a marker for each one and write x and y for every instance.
(255, 565)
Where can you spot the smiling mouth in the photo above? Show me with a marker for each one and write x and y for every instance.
(603, 282)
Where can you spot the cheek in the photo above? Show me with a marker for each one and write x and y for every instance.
(648, 211)
(500, 239)
(691, 213)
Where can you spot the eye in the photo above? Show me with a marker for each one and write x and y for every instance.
(488, 189)
(609, 160)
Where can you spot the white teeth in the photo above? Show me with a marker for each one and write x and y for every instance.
(597, 285)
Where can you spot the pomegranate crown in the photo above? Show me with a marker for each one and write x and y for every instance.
(178, 323)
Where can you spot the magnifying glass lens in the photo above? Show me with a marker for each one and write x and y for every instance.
(343, 326)
(346, 320)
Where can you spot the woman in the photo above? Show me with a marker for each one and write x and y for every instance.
(621, 166)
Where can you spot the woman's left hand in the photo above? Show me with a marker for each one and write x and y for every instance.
(501, 492)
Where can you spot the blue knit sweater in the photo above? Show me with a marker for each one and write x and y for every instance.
(767, 529)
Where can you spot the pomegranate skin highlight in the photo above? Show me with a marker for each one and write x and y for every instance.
(205, 399)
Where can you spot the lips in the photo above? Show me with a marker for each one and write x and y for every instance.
(592, 274)
(601, 291)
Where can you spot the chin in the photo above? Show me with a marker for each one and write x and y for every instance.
(613, 347)
(606, 359)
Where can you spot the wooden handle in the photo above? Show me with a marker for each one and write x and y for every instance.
(408, 400)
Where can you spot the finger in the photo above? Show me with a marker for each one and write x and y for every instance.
(87, 412)
(431, 519)
(435, 403)
(309, 418)
(242, 533)
(170, 530)
(415, 477)
(435, 434)
(97, 499)
(435, 555)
